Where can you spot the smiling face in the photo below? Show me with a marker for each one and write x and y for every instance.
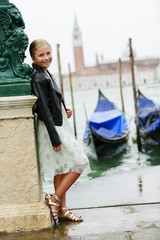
(43, 57)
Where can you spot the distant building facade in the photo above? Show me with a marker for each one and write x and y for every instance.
(147, 71)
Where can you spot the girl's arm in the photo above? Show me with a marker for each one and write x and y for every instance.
(69, 112)
(41, 91)
(57, 149)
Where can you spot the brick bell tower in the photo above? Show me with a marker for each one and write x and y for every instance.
(78, 48)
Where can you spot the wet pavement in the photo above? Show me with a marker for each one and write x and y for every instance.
(123, 222)
(133, 222)
(118, 187)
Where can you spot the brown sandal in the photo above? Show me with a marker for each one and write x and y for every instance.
(72, 217)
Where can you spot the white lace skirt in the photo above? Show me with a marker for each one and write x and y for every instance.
(71, 157)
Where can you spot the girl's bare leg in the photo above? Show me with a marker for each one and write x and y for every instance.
(57, 181)
(62, 183)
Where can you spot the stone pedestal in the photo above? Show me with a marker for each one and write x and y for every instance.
(21, 207)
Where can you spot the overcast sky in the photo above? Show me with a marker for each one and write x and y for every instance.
(105, 25)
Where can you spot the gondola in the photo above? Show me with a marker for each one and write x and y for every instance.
(149, 118)
(107, 129)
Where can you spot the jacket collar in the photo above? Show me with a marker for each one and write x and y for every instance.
(54, 85)
(38, 68)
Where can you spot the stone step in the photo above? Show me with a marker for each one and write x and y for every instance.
(24, 217)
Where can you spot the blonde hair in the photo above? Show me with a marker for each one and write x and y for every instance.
(37, 44)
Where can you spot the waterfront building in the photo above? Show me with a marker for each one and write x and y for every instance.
(106, 74)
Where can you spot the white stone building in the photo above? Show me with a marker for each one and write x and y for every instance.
(102, 75)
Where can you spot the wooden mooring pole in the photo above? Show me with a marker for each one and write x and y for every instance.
(135, 95)
(73, 109)
(120, 82)
(59, 70)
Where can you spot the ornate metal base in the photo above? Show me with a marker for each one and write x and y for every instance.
(14, 74)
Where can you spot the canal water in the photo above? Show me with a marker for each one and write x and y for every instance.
(129, 158)
(129, 177)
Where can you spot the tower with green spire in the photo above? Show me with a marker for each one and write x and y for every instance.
(78, 47)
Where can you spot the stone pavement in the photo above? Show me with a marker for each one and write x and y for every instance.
(132, 222)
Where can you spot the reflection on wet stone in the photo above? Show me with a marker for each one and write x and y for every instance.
(140, 185)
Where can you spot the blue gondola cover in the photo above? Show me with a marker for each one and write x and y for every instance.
(149, 114)
(107, 121)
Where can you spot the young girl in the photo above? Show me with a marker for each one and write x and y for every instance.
(59, 152)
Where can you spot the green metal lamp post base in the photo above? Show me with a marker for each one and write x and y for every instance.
(15, 87)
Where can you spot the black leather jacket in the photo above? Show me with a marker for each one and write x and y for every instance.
(48, 105)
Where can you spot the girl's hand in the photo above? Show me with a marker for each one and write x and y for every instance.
(57, 148)
(69, 112)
